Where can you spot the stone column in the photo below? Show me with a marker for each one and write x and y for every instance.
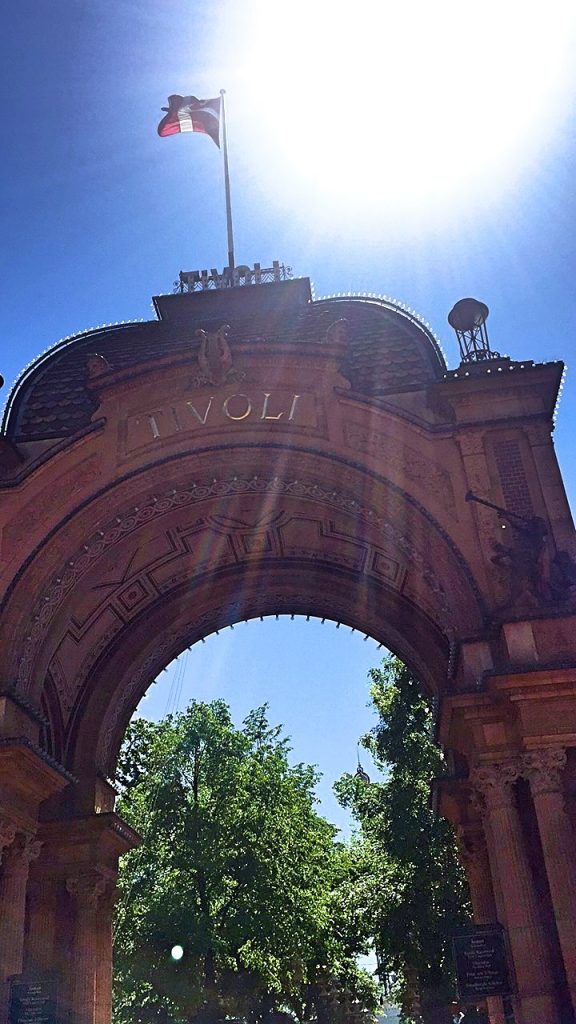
(42, 909)
(544, 770)
(474, 856)
(86, 888)
(104, 960)
(7, 836)
(13, 882)
(526, 933)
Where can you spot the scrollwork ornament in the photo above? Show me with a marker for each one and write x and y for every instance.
(7, 835)
(544, 769)
(20, 853)
(31, 849)
(473, 851)
(108, 900)
(494, 783)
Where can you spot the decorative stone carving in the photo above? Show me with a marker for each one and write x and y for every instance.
(20, 853)
(446, 606)
(472, 850)
(96, 365)
(7, 835)
(109, 897)
(525, 559)
(215, 359)
(544, 769)
(31, 849)
(472, 443)
(494, 783)
(563, 577)
(87, 887)
(526, 562)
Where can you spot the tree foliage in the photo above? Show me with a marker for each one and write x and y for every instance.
(237, 868)
(409, 886)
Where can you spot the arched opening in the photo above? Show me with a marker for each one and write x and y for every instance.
(313, 676)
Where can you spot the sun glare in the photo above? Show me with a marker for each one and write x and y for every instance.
(407, 104)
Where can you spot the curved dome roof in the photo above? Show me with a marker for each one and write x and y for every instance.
(385, 348)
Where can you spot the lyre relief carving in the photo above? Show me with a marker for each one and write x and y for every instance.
(215, 360)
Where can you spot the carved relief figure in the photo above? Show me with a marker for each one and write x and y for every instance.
(96, 365)
(215, 357)
(527, 561)
(563, 577)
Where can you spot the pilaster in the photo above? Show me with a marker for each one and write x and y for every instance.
(86, 888)
(495, 784)
(545, 770)
(473, 851)
(103, 1010)
(13, 883)
(78, 869)
(43, 905)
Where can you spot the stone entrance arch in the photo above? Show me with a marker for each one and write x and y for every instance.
(253, 451)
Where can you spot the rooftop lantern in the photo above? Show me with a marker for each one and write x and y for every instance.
(468, 318)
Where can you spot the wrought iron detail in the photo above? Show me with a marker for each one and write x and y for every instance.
(468, 318)
(232, 277)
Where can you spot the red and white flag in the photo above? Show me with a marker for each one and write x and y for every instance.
(188, 114)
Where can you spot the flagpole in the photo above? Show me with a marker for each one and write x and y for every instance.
(227, 185)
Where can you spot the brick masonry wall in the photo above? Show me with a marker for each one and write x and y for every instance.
(513, 478)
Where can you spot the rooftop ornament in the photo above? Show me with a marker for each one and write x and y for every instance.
(360, 773)
(231, 277)
(468, 318)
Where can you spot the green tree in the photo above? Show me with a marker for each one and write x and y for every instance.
(237, 868)
(409, 887)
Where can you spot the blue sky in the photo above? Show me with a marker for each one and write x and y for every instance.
(422, 151)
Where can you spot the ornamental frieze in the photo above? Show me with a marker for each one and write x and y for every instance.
(49, 600)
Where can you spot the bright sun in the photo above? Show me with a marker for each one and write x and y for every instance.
(410, 104)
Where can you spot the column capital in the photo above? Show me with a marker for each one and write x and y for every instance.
(473, 850)
(544, 769)
(20, 853)
(494, 783)
(87, 887)
(110, 896)
(7, 834)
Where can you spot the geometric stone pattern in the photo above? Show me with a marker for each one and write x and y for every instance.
(117, 600)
